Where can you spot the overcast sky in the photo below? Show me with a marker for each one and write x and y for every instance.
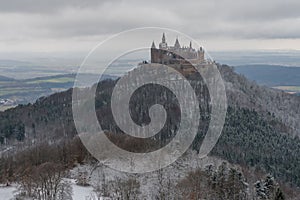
(70, 26)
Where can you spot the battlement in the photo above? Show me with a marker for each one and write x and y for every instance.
(176, 54)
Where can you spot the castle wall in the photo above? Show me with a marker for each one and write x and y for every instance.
(177, 57)
(167, 57)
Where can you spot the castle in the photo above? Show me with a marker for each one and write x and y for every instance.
(177, 56)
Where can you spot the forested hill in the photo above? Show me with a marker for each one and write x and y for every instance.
(248, 94)
(4, 78)
(259, 129)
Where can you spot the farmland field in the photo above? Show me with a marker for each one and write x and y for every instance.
(25, 91)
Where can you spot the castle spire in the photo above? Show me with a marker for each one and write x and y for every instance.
(153, 45)
(190, 44)
(177, 45)
(163, 44)
(163, 40)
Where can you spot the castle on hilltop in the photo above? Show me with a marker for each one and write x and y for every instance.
(179, 56)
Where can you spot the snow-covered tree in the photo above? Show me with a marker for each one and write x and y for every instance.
(268, 189)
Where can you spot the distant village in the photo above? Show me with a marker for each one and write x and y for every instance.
(7, 102)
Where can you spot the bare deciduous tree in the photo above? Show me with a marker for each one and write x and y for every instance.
(45, 182)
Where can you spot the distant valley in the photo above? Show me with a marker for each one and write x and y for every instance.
(275, 76)
(14, 91)
(22, 91)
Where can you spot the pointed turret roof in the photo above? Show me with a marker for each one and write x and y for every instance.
(153, 45)
(163, 40)
(177, 45)
(190, 44)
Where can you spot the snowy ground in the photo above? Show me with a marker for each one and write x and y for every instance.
(79, 193)
(7, 193)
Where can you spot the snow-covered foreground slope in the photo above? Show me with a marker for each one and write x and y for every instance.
(150, 183)
(7, 193)
(79, 192)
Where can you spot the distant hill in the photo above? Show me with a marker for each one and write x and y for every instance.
(6, 62)
(4, 78)
(271, 75)
(236, 58)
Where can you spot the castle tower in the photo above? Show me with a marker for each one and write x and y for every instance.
(163, 44)
(191, 45)
(177, 45)
(153, 45)
(201, 55)
(163, 40)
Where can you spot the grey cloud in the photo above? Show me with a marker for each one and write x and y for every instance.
(257, 10)
(39, 6)
(59, 19)
(106, 19)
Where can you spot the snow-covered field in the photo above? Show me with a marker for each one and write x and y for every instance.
(7, 193)
(79, 192)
